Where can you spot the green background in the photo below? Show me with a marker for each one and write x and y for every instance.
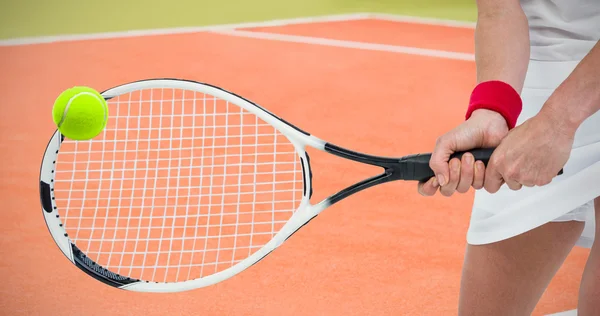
(24, 18)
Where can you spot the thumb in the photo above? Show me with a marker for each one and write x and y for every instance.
(466, 136)
(440, 157)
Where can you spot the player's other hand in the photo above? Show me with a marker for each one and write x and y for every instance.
(531, 154)
(484, 129)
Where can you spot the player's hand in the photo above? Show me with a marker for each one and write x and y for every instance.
(484, 129)
(532, 154)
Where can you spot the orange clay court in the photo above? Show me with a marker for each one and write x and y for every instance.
(377, 86)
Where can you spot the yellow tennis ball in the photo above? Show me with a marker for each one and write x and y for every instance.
(80, 113)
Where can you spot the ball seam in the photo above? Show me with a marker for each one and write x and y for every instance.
(64, 116)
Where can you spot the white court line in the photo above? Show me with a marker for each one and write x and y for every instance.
(179, 30)
(349, 44)
(420, 20)
(196, 29)
(567, 313)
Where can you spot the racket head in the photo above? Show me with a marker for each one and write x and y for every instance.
(87, 216)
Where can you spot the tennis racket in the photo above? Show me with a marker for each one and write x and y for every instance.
(188, 185)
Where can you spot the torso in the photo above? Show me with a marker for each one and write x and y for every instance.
(562, 30)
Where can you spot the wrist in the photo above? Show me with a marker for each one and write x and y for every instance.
(560, 117)
(496, 96)
(488, 114)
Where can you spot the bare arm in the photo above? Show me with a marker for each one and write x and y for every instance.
(501, 42)
(534, 152)
(578, 97)
(502, 53)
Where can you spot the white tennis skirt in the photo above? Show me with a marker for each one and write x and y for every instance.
(508, 213)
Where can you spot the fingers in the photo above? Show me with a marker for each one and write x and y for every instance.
(528, 184)
(466, 173)
(463, 174)
(514, 181)
(493, 178)
(454, 178)
(479, 175)
(428, 188)
(513, 185)
(498, 172)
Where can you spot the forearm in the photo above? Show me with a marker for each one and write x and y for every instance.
(578, 97)
(501, 42)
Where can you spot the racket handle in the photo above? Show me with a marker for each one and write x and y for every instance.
(416, 167)
(482, 154)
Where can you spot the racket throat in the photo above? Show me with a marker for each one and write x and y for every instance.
(365, 184)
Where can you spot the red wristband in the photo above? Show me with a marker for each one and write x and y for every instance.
(497, 96)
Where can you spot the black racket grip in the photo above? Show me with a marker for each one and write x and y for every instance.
(417, 166)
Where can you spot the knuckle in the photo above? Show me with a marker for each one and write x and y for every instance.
(462, 190)
(440, 141)
(515, 187)
(513, 173)
(493, 164)
(491, 188)
(542, 181)
(447, 193)
(496, 160)
(433, 165)
(528, 183)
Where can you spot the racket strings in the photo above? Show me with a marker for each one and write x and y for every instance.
(180, 185)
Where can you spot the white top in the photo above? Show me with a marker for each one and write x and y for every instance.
(562, 30)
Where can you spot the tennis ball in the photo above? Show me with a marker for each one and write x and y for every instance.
(80, 113)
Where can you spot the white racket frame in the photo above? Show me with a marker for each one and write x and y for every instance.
(306, 211)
